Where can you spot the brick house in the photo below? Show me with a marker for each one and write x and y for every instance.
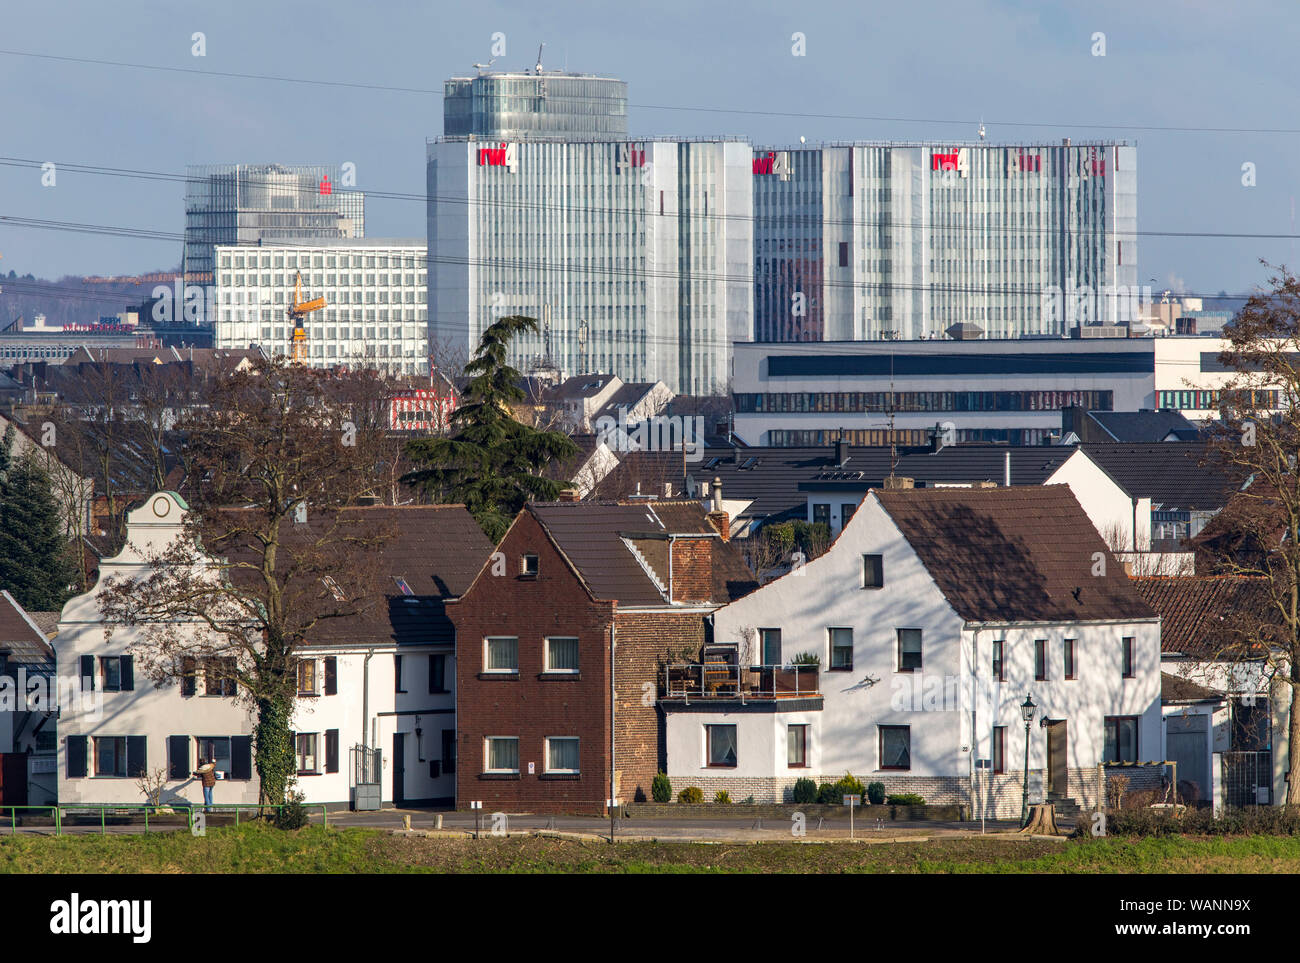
(534, 634)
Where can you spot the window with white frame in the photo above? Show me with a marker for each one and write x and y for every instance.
(909, 650)
(501, 754)
(561, 654)
(720, 743)
(796, 753)
(841, 649)
(562, 754)
(501, 654)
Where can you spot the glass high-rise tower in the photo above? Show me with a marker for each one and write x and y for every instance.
(635, 255)
(902, 241)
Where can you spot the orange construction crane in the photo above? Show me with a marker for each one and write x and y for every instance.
(298, 309)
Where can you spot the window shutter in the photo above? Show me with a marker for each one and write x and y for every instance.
(128, 673)
(136, 755)
(331, 675)
(241, 757)
(435, 769)
(188, 682)
(87, 673)
(178, 757)
(76, 757)
(331, 750)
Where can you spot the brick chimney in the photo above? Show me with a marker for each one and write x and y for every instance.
(692, 561)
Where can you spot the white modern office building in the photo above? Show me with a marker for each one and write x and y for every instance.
(982, 390)
(869, 241)
(636, 256)
(375, 312)
(252, 203)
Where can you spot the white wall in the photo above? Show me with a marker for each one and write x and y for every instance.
(954, 690)
(1108, 505)
(157, 713)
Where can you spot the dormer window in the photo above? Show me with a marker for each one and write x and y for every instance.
(528, 566)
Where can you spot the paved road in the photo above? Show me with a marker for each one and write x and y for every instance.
(721, 828)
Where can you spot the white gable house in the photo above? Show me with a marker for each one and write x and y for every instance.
(932, 616)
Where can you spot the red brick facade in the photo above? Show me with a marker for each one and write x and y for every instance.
(532, 704)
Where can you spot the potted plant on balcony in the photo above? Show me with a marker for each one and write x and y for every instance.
(801, 673)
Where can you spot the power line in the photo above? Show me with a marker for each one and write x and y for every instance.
(390, 88)
(593, 210)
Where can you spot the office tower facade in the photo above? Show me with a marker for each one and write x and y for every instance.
(252, 203)
(635, 256)
(375, 315)
(902, 241)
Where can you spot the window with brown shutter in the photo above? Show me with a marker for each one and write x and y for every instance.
(331, 675)
(331, 750)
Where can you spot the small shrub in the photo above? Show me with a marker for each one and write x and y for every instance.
(293, 814)
(691, 794)
(876, 793)
(848, 785)
(661, 789)
(748, 801)
(722, 797)
(906, 799)
(805, 791)
(826, 794)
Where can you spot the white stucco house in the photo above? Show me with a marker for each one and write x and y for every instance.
(385, 681)
(933, 615)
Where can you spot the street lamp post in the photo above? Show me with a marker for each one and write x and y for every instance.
(1027, 713)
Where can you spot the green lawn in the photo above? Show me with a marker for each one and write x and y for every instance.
(255, 849)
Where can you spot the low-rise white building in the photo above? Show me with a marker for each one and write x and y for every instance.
(932, 616)
(385, 681)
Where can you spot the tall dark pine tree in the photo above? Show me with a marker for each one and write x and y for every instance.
(491, 462)
(36, 563)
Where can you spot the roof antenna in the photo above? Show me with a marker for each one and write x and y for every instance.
(538, 68)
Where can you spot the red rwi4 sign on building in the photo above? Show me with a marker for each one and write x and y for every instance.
(629, 155)
(421, 409)
(1029, 163)
(507, 156)
(943, 162)
(776, 162)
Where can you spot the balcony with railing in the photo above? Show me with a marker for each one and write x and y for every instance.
(695, 683)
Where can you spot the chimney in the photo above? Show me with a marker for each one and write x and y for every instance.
(721, 521)
(569, 495)
(717, 494)
(668, 489)
(1006, 469)
(842, 450)
(300, 513)
(899, 482)
(704, 491)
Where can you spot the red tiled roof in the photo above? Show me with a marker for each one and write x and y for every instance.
(1202, 616)
(1019, 554)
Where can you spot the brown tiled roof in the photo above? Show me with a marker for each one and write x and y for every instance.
(1201, 616)
(436, 549)
(595, 537)
(1019, 554)
(22, 641)
(1177, 689)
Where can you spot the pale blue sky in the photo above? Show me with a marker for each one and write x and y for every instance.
(1192, 64)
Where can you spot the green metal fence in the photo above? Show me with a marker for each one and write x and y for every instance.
(127, 809)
